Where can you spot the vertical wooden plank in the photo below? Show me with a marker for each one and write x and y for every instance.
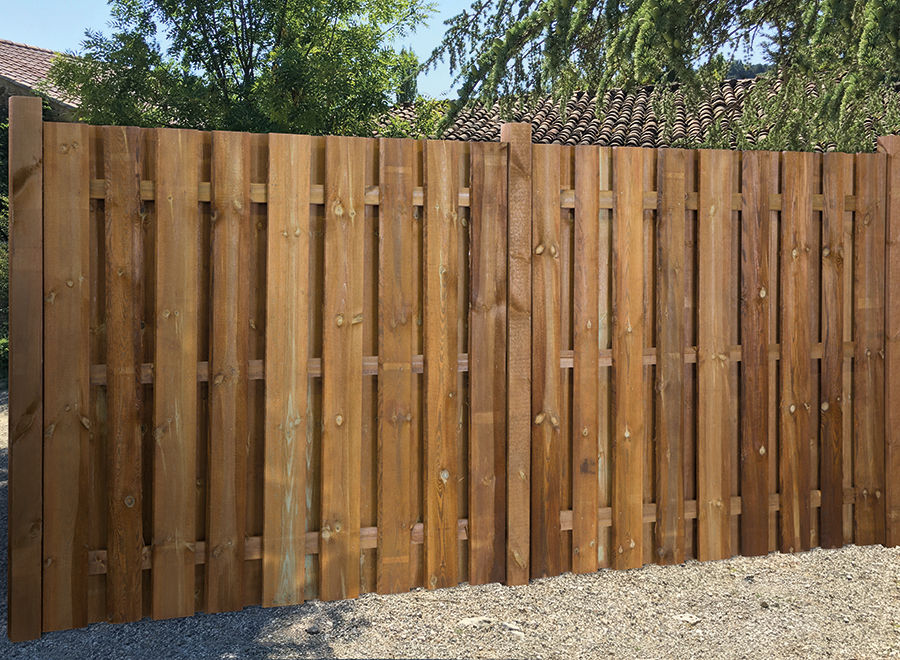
(26, 182)
(586, 376)
(796, 220)
(228, 433)
(487, 362)
(545, 373)
(837, 183)
(67, 435)
(124, 263)
(868, 366)
(755, 304)
(627, 358)
(518, 358)
(713, 391)
(395, 349)
(287, 386)
(669, 534)
(890, 145)
(604, 340)
(342, 368)
(442, 404)
(175, 399)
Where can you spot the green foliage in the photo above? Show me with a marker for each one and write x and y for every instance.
(738, 69)
(310, 66)
(425, 123)
(830, 64)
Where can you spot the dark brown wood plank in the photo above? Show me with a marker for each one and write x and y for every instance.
(487, 357)
(670, 333)
(26, 407)
(442, 403)
(229, 345)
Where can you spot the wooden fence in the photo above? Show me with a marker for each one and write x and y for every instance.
(267, 368)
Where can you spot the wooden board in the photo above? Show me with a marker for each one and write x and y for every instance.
(627, 348)
(124, 299)
(518, 357)
(837, 182)
(287, 384)
(670, 338)
(713, 391)
(756, 300)
(487, 364)
(442, 403)
(67, 433)
(605, 413)
(26, 181)
(395, 350)
(228, 371)
(546, 404)
(175, 400)
(868, 365)
(339, 559)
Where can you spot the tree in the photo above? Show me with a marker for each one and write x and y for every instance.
(832, 61)
(311, 66)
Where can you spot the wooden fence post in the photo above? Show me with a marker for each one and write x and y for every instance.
(25, 367)
(890, 145)
(518, 354)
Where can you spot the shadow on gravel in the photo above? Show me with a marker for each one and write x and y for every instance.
(254, 632)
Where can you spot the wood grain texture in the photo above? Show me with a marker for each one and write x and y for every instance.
(670, 338)
(837, 182)
(175, 400)
(26, 408)
(124, 299)
(868, 364)
(713, 391)
(605, 412)
(890, 146)
(518, 357)
(442, 402)
(627, 346)
(586, 370)
(339, 560)
(756, 297)
(67, 432)
(229, 345)
(546, 402)
(287, 383)
(396, 311)
(487, 364)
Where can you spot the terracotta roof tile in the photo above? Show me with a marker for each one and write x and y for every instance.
(27, 66)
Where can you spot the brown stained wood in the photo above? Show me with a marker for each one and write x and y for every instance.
(837, 181)
(546, 388)
(396, 321)
(442, 402)
(124, 266)
(586, 371)
(891, 146)
(287, 411)
(756, 297)
(67, 433)
(175, 424)
(26, 181)
(713, 391)
(604, 341)
(339, 561)
(487, 363)
(627, 443)
(868, 364)
(796, 395)
(518, 358)
(229, 428)
(671, 340)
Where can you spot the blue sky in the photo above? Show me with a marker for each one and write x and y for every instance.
(60, 25)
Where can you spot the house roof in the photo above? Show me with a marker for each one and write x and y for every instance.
(27, 66)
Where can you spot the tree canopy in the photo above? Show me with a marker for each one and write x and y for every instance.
(311, 66)
(832, 62)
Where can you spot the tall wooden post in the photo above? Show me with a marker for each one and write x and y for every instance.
(25, 367)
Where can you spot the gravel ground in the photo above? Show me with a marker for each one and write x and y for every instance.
(832, 603)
